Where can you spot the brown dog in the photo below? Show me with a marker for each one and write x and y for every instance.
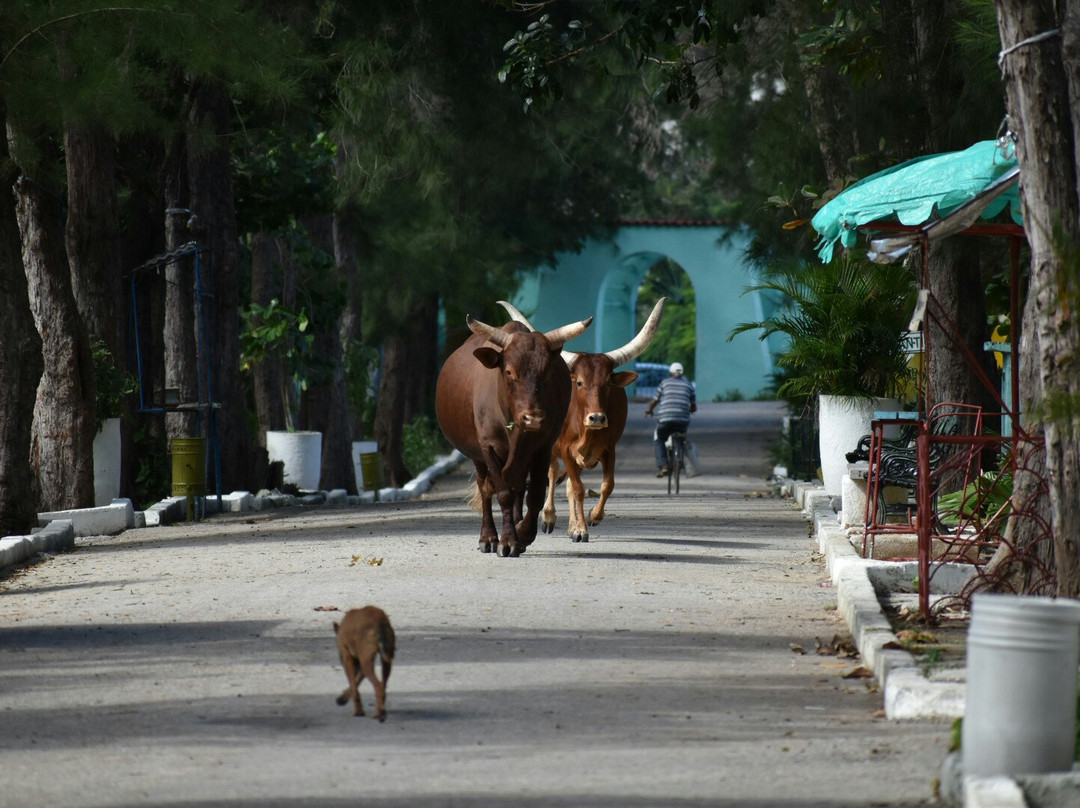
(361, 635)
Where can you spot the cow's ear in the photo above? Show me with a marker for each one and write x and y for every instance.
(488, 357)
(623, 378)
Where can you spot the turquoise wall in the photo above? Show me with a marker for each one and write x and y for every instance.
(602, 281)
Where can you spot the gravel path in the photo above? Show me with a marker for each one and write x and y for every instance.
(657, 665)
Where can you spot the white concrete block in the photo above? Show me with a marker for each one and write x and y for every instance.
(993, 792)
(15, 549)
(853, 496)
(237, 501)
(55, 537)
(106, 520)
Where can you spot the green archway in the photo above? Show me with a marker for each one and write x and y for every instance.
(602, 281)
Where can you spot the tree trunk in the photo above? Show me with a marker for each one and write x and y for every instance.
(326, 411)
(20, 362)
(267, 376)
(956, 283)
(326, 398)
(93, 235)
(210, 180)
(1040, 92)
(347, 258)
(389, 417)
(1027, 551)
(423, 338)
(179, 329)
(829, 102)
(62, 443)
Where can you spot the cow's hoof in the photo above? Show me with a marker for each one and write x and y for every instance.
(504, 550)
(485, 547)
(579, 535)
(516, 550)
(547, 527)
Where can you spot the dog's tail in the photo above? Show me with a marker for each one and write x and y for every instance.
(386, 641)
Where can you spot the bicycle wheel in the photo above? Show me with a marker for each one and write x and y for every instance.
(671, 465)
(677, 463)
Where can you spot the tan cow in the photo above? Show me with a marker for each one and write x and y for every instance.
(594, 424)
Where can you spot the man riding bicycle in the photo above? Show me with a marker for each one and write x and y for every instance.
(674, 401)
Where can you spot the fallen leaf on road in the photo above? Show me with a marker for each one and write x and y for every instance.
(910, 636)
(327, 609)
(841, 647)
(860, 672)
(798, 649)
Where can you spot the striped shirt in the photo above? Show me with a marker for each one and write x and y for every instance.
(673, 398)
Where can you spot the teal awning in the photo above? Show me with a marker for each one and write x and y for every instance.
(919, 190)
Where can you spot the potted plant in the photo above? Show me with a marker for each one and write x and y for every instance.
(843, 324)
(276, 332)
(113, 387)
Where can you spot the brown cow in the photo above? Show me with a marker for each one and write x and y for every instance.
(594, 423)
(501, 399)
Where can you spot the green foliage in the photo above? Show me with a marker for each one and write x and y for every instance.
(666, 37)
(113, 384)
(273, 330)
(281, 177)
(360, 364)
(276, 331)
(153, 476)
(422, 441)
(119, 66)
(734, 394)
(676, 340)
(987, 495)
(454, 188)
(843, 322)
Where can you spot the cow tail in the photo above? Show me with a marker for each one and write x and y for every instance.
(476, 498)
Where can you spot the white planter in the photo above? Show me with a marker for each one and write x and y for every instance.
(362, 452)
(301, 454)
(1020, 701)
(107, 463)
(842, 420)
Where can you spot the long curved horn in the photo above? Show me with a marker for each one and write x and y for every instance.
(560, 336)
(496, 335)
(515, 314)
(569, 357)
(637, 346)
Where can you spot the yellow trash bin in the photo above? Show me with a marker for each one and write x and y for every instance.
(189, 470)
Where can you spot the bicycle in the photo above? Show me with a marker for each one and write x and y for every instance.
(676, 457)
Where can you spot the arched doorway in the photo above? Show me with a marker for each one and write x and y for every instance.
(603, 279)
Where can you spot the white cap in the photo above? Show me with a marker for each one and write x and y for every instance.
(675, 369)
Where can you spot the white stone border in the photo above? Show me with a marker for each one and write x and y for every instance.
(58, 530)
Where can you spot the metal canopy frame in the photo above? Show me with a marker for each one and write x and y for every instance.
(965, 539)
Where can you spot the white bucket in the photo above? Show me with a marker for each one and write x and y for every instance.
(1020, 710)
(301, 454)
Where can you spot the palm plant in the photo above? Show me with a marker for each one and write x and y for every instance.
(844, 321)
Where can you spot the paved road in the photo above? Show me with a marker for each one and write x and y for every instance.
(195, 666)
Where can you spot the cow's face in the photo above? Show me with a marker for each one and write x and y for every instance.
(526, 364)
(592, 378)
